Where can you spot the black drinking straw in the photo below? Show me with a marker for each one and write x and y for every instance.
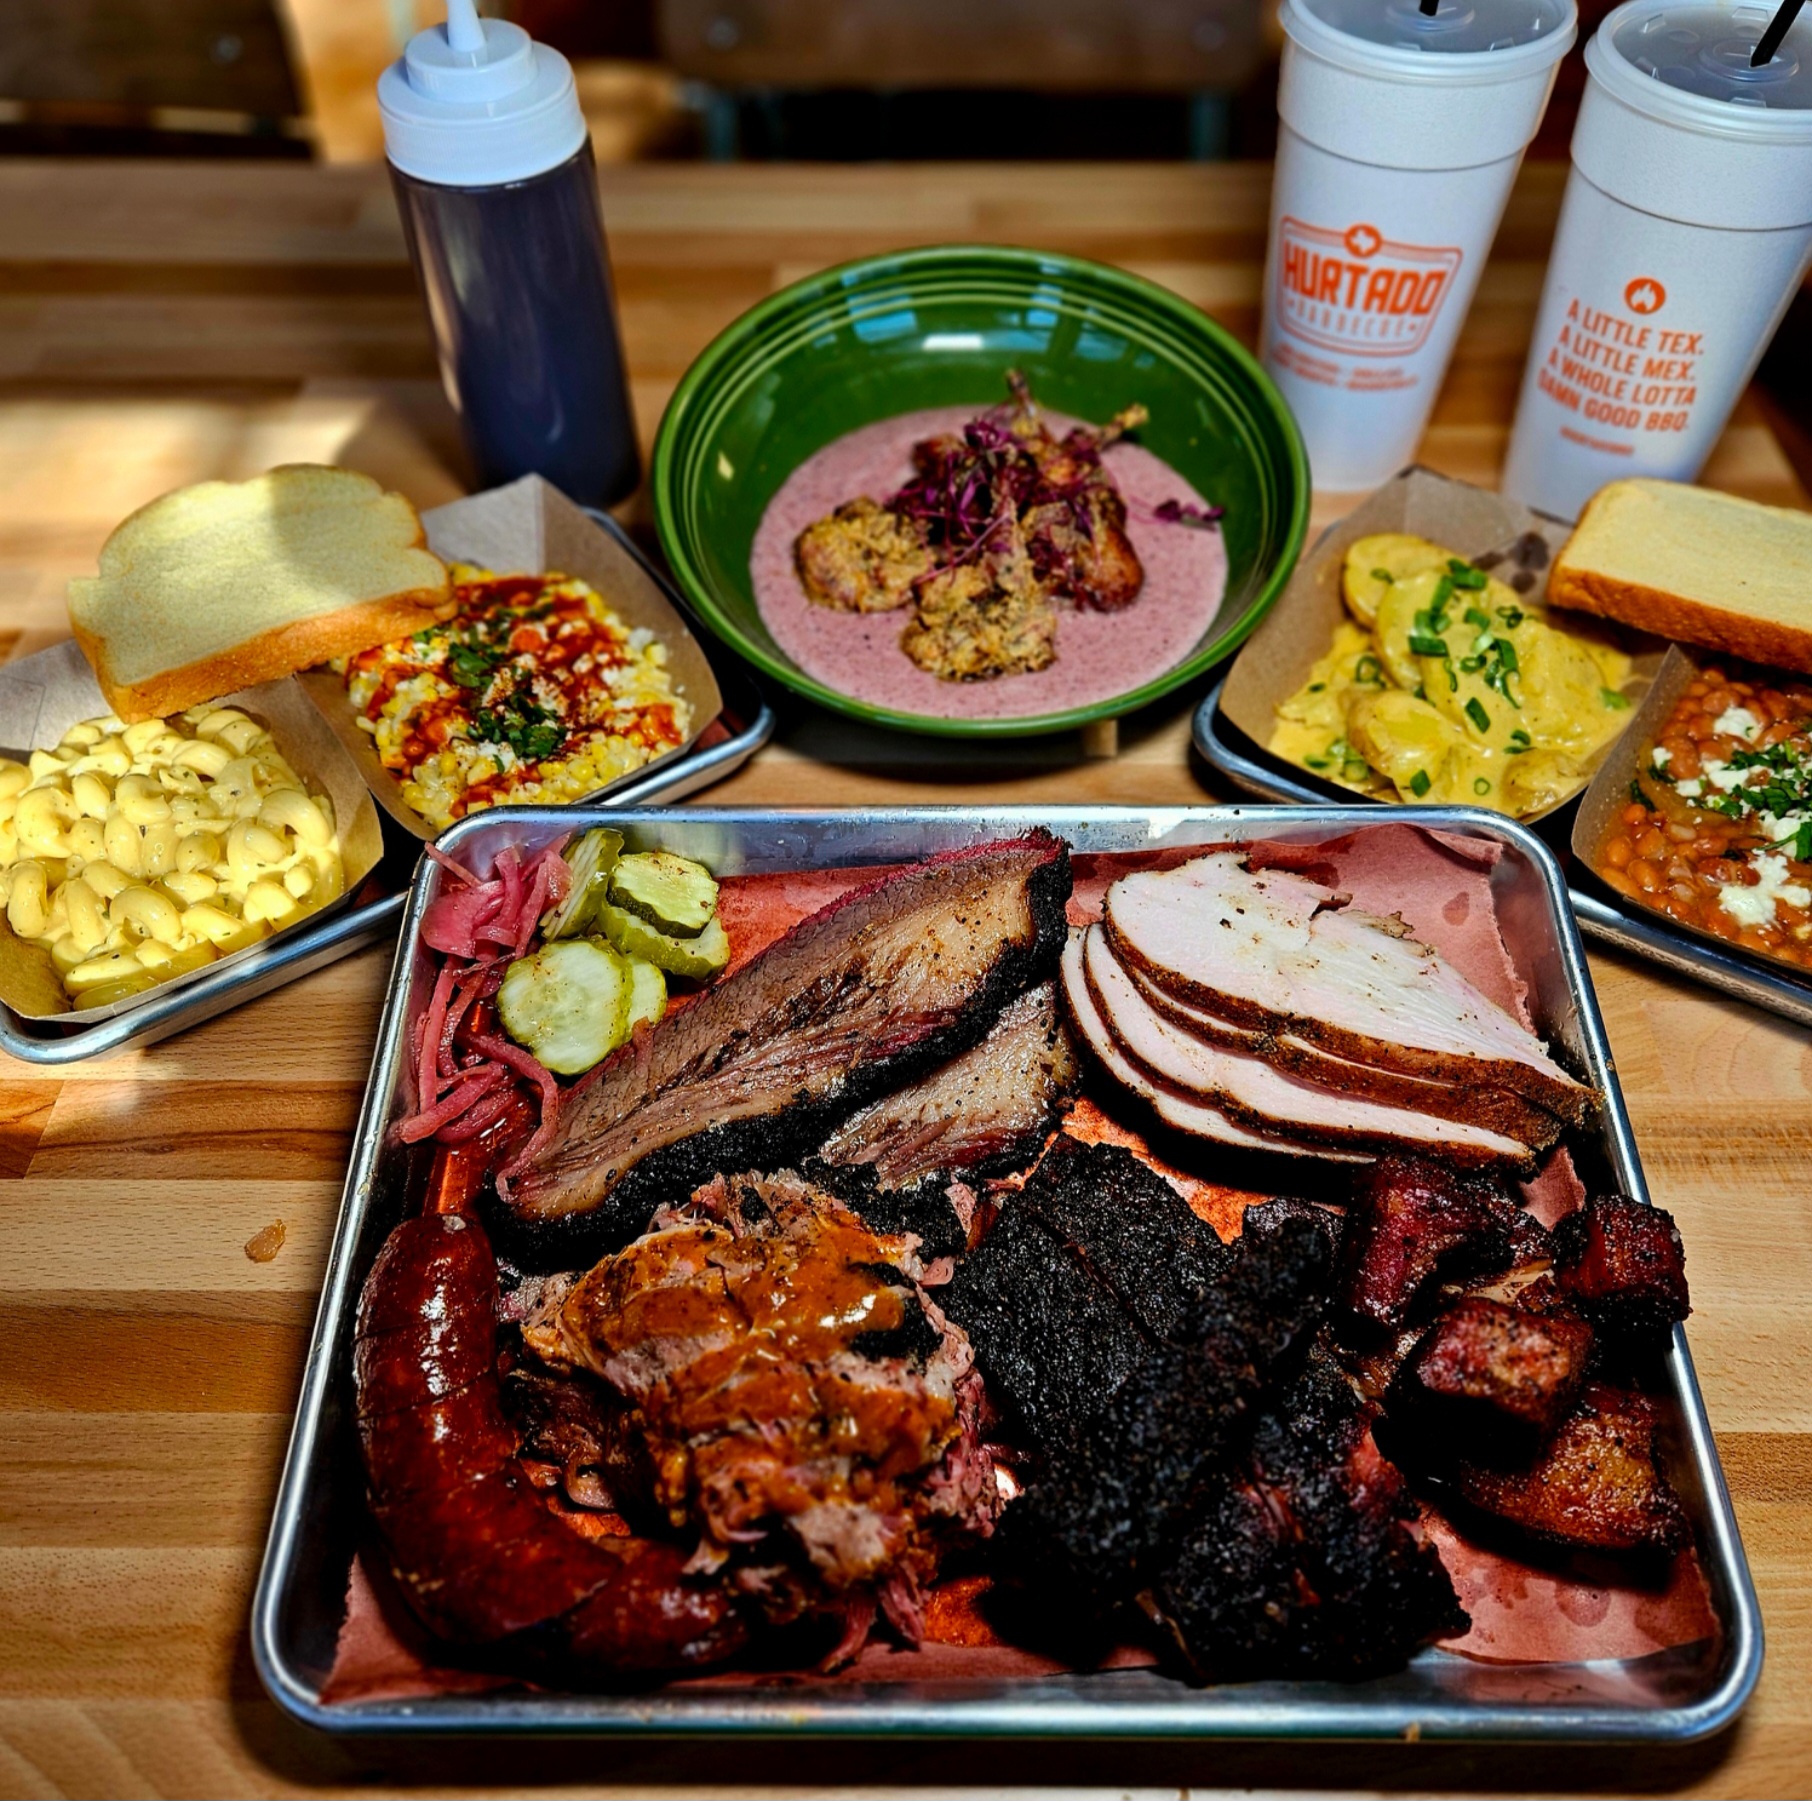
(1428, 6)
(1778, 27)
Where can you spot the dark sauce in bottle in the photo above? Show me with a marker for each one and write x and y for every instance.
(516, 279)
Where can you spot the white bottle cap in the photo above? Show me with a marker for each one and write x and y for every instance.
(475, 103)
(1382, 82)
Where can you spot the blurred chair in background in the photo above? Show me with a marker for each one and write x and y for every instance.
(148, 77)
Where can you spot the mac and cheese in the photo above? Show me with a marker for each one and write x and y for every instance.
(133, 853)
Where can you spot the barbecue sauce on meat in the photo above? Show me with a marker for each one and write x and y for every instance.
(788, 1373)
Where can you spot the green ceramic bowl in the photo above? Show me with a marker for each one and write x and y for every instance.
(941, 327)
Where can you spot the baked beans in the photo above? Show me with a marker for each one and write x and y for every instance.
(1690, 854)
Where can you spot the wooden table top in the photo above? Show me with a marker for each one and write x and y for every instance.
(163, 323)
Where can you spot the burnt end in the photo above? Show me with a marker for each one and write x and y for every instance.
(1596, 1486)
(1118, 1482)
(1414, 1221)
(1623, 1266)
(1050, 1340)
(1267, 1217)
(1136, 1234)
(1230, 1601)
(1305, 1560)
(1493, 1379)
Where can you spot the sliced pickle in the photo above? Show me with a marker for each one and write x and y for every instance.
(671, 893)
(568, 1003)
(591, 862)
(647, 993)
(693, 958)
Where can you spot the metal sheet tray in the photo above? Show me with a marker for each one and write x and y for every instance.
(1602, 914)
(747, 722)
(1670, 1696)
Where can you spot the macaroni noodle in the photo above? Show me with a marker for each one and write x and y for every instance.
(134, 853)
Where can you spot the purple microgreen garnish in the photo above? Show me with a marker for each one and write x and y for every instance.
(1183, 512)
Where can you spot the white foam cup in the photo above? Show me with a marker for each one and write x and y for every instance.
(1686, 229)
(1399, 137)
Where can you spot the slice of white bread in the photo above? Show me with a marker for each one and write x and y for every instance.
(226, 584)
(1692, 564)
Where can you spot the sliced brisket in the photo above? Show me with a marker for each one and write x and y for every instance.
(981, 1114)
(869, 993)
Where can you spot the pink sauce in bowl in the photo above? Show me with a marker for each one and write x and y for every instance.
(1099, 655)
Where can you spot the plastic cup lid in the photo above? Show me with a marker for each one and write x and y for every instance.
(1688, 64)
(1463, 42)
(476, 103)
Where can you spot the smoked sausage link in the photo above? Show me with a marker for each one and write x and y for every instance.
(476, 1551)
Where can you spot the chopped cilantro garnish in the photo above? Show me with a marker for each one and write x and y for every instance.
(1637, 795)
(1419, 784)
(1475, 711)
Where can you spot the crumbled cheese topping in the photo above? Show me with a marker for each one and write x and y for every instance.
(1725, 779)
(1690, 788)
(1737, 722)
(1660, 756)
(1754, 906)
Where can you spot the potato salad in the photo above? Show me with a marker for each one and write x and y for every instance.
(1446, 686)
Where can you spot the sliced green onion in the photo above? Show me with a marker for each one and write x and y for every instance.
(1368, 670)
(1427, 647)
(1506, 652)
(1383, 575)
(1475, 711)
(1419, 784)
(1463, 575)
(1476, 616)
(1618, 703)
(1481, 784)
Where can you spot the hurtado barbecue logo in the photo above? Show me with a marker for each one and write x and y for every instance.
(1359, 291)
